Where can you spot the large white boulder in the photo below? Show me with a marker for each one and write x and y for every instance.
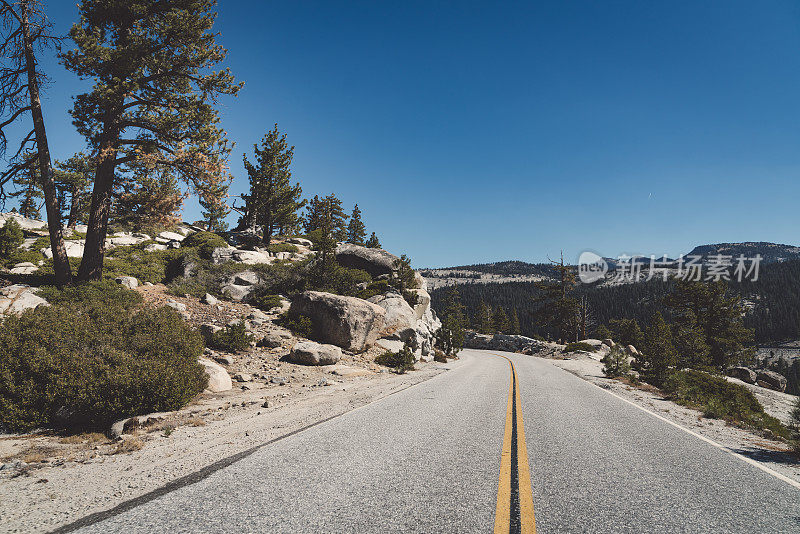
(74, 248)
(348, 322)
(218, 378)
(170, 236)
(127, 281)
(24, 222)
(18, 298)
(312, 353)
(400, 318)
(373, 260)
(25, 267)
(251, 257)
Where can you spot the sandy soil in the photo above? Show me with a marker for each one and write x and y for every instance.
(771, 453)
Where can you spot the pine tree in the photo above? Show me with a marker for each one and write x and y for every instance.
(28, 190)
(212, 200)
(451, 335)
(515, 328)
(154, 87)
(149, 198)
(615, 363)
(483, 320)
(73, 177)
(273, 200)
(690, 344)
(707, 308)
(373, 241)
(658, 355)
(626, 332)
(558, 308)
(356, 232)
(11, 237)
(500, 321)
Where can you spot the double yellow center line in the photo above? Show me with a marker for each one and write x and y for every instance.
(514, 513)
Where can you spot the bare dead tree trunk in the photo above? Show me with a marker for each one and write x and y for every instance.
(61, 265)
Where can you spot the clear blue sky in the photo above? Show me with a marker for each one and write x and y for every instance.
(472, 132)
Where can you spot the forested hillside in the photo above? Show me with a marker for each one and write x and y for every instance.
(773, 302)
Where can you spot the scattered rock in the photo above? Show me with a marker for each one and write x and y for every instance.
(208, 329)
(312, 353)
(218, 378)
(271, 340)
(609, 343)
(245, 278)
(243, 377)
(281, 381)
(224, 359)
(127, 281)
(153, 247)
(210, 299)
(177, 306)
(348, 322)
(237, 292)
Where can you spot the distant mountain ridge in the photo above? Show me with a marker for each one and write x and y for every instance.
(769, 252)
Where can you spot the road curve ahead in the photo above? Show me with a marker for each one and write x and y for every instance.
(475, 450)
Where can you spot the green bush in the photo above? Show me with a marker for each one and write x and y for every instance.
(40, 243)
(401, 362)
(20, 256)
(11, 237)
(92, 357)
(282, 247)
(205, 242)
(579, 345)
(301, 325)
(719, 399)
(616, 363)
(232, 338)
(263, 300)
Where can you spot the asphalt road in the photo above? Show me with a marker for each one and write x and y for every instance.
(428, 459)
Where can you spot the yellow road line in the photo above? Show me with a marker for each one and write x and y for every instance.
(527, 518)
(502, 515)
(523, 491)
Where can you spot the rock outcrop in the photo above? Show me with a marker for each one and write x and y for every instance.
(509, 343)
(745, 374)
(347, 322)
(18, 298)
(311, 353)
(375, 261)
(417, 325)
(771, 380)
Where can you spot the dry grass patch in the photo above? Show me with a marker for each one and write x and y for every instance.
(195, 421)
(128, 445)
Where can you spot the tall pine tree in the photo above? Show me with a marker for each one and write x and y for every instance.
(154, 90)
(356, 232)
(373, 241)
(273, 200)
